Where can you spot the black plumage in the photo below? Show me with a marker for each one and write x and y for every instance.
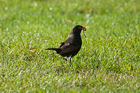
(72, 45)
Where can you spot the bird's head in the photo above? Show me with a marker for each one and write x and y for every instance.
(78, 28)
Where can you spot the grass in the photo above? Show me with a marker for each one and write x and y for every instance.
(109, 60)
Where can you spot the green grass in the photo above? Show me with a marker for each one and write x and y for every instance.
(109, 60)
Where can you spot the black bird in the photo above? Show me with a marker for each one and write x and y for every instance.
(72, 45)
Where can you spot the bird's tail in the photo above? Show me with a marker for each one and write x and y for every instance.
(56, 49)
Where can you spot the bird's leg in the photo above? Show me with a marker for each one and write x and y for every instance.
(65, 58)
(70, 59)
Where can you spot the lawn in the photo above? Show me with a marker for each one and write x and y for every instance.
(109, 60)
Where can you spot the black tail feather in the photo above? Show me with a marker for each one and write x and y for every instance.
(56, 49)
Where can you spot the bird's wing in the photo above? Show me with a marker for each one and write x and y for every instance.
(69, 48)
(62, 43)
